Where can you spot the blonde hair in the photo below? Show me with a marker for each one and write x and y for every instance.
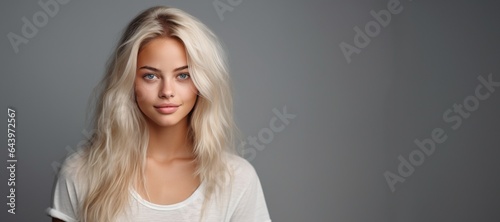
(115, 156)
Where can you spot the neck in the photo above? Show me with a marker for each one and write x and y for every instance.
(167, 143)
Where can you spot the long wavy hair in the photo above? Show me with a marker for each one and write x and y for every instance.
(114, 160)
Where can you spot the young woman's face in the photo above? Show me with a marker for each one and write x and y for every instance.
(164, 90)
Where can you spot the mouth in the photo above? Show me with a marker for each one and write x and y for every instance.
(167, 108)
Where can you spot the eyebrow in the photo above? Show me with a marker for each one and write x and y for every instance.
(180, 68)
(157, 70)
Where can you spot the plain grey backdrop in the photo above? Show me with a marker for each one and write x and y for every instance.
(355, 121)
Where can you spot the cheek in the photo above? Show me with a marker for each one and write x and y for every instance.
(192, 88)
(190, 92)
(138, 95)
(141, 93)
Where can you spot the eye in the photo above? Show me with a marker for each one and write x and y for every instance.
(183, 76)
(149, 76)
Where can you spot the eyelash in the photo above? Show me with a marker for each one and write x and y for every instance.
(178, 76)
(148, 74)
(187, 76)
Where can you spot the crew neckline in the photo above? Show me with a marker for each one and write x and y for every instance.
(174, 206)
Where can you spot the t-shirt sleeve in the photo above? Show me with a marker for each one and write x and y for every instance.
(65, 199)
(251, 206)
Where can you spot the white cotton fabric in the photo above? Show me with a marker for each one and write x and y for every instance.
(241, 201)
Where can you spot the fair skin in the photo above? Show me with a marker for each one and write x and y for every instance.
(162, 72)
(166, 95)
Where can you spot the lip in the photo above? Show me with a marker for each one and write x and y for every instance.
(167, 108)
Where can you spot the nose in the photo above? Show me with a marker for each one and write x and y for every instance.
(166, 89)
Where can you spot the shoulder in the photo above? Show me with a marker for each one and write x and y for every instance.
(238, 164)
(72, 166)
(246, 196)
(242, 172)
(68, 189)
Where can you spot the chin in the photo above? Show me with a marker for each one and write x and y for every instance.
(165, 121)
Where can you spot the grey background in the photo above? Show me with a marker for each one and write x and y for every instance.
(352, 121)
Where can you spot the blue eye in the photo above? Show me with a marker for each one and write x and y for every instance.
(183, 76)
(149, 76)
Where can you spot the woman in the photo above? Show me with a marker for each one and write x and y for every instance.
(162, 150)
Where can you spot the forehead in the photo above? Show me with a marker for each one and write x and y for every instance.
(162, 53)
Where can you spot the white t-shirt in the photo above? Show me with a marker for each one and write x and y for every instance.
(242, 200)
